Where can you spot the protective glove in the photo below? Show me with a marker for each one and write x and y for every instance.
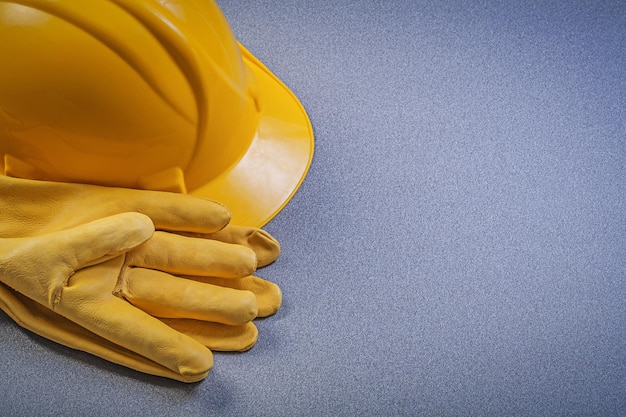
(75, 272)
(33, 207)
(30, 208)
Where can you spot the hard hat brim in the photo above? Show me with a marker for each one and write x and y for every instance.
(263, 181)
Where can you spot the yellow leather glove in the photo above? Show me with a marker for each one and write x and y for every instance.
(34, 207)
(74, 272)
(30, 208)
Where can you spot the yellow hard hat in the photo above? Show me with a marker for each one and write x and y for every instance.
(147, 94)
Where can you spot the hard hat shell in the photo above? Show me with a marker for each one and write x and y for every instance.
(147, 94)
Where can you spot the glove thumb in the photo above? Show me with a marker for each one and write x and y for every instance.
(39, 266)
(103, 239)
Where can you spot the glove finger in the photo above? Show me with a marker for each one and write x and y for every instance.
(175, 212)
(169, 211)
(46, 323)
(217, 336)
(266, 248)
(88, 301)
(268, 295)
(163, 295)
(99, 240)
(183, 255)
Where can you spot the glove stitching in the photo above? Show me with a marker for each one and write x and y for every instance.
(56, 296)
(120, 285)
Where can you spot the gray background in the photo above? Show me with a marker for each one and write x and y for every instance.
(459, 246)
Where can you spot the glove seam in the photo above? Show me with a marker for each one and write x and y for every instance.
(120, 285)
(58, 293)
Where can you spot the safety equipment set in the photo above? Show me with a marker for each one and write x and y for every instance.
(123, 123)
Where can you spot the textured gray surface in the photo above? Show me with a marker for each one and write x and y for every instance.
(459, 247)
